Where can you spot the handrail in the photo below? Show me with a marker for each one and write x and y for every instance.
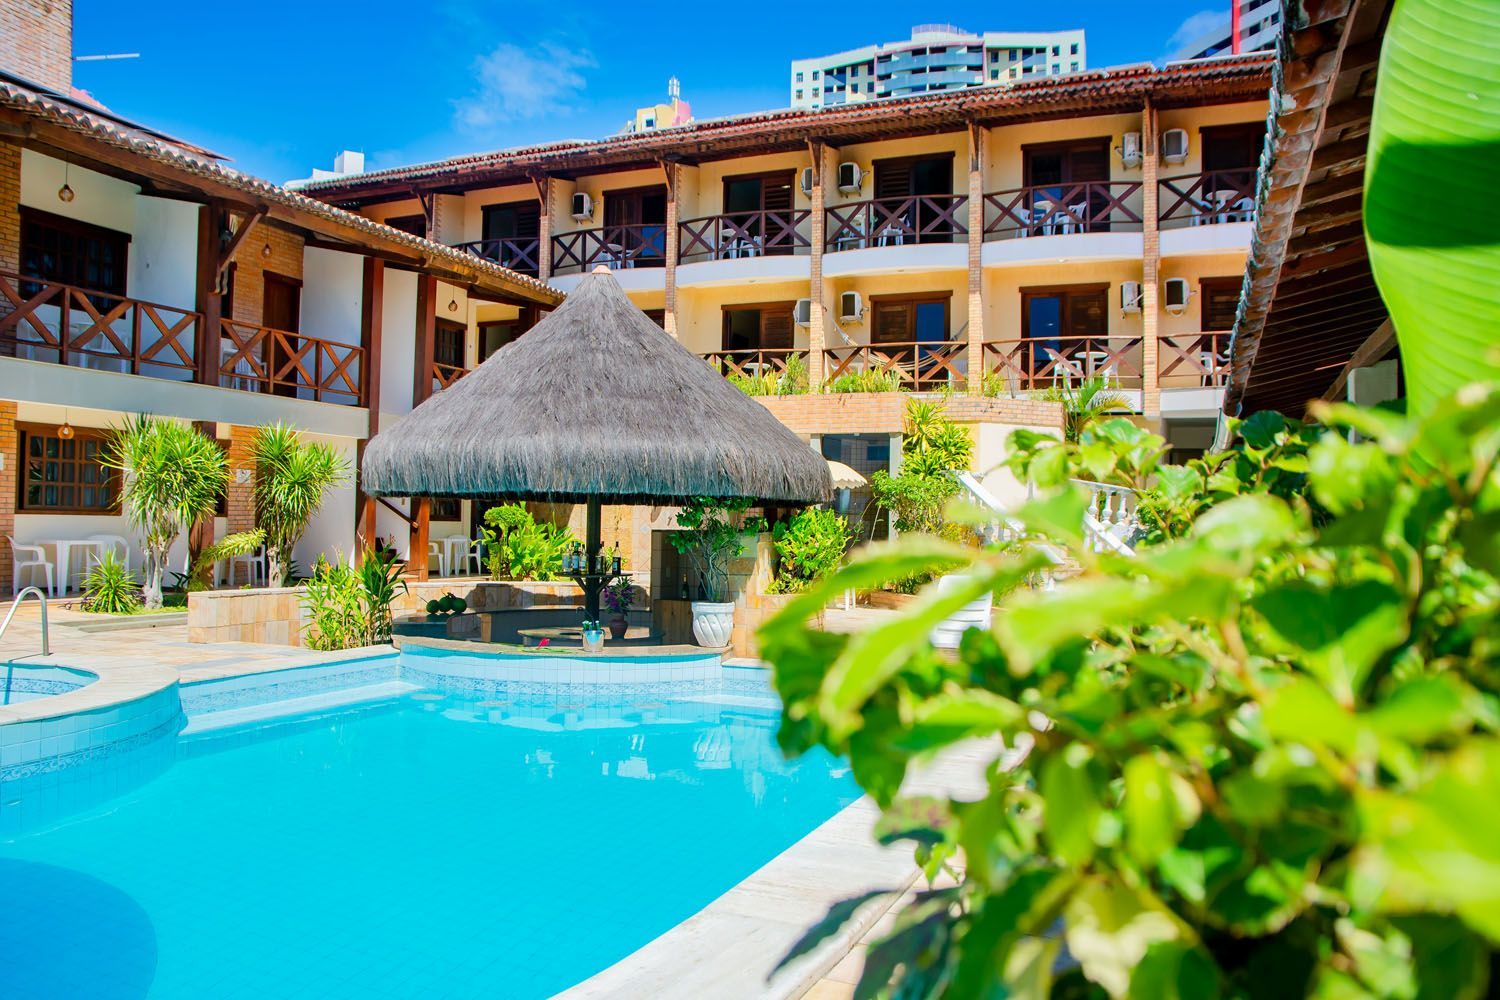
(16, 604)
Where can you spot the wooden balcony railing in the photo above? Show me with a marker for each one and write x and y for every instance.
(520, 255)
(262, 359)
(616, 247)
(1063, 209)
(1044, 362)
(893, 222)
(1206, 199)
(924, 366)
(445, 375)
(752, 363)
(744, 234)
(83, 328)
(1194, 359)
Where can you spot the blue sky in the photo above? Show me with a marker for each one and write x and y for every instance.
(284, 91)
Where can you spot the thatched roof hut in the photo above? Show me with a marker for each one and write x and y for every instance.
(596, 402)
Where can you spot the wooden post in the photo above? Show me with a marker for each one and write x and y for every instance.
(593, 584)
(210, 296)
(201, 534)
(426, 334)
(416, 556)
(372, 302)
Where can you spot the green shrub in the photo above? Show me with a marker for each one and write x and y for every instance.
(237, 544)
(866, 381)
(1258, 760)
(809, 546)
(380, 578)
(790, 381)
(712, 533)
(109, 588)
(517, 547)
(337, 615)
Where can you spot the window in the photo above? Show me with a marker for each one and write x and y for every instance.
(657, 316)
(650, 123)
(1056, 68)
(71, 252)
(1073, 49)
(1073, 67)
(65, 475)
(1057, 50)
(445, 509)
(448, 343)
(766, 326)
(994, 74)
(799, 76)
(1220, 298)
(799, 95)
(1232, 147)
(815, 74)
(414, 224)
(908, 319)
(1055, 319)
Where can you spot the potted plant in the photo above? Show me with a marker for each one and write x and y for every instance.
(593, 637)
(618, 596)
(712, 534)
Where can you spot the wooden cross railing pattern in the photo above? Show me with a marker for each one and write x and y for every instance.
(744, 234)
(890, 222)
(522, 255)
(1210, 198)
(68, 325)
(1194, 359)
(1045, 362)
(263, 359)
(1062, 209)
(616, 247)
(445, 375)
(921, 366)
(750, 363)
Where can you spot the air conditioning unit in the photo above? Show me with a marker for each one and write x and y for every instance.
(849, 178)
(802, 312)
(807, 181)
(851, 307)
(583, 206)
(1130, 149)
(1174, 145)
(1130, 296)
(1175, 295)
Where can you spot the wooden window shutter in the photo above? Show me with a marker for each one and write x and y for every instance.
(892, 323)
(892, 178)
(776, 326)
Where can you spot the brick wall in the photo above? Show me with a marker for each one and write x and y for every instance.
(8, 480)
(10, 200)
(36, 41)
(240, 502)
(251, 262)
(884, 412)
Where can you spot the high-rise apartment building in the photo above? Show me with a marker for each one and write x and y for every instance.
(1259, 22)
(937, 57)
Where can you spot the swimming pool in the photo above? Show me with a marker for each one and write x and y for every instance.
(21, 682)
(453, 838)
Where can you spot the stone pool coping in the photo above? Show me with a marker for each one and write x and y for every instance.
(730, 948)
(618, 653)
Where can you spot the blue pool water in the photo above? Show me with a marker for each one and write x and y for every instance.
(425, 845)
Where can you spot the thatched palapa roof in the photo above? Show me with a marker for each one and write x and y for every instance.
(596, 400)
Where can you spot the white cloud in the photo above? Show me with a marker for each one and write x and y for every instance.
(1195, 26)
(512, 84)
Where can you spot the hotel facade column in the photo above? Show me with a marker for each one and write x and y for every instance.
(1150, 267)
(371, 314)
(816, 337)
(672, 173)
(421, 509)
(544, 226)
(974, 353)
(209, 302)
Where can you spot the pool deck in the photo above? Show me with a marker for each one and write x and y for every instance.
(727, 950)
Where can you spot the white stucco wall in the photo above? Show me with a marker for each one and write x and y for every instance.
(332, 294)
(991, 448)
(164, 252)
(331, 531)
(97, 198)
(398, 342)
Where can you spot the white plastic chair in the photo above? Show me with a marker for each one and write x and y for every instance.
(476, 556)
(440, 553)
(35, 559)
(455, 549)
(116, 544)
(257, 567)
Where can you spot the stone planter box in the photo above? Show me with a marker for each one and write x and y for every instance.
(271, 615)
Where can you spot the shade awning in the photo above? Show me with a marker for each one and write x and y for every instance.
(595, 401)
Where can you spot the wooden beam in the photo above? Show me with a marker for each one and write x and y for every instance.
(1376, 346)
(426, 335)
(209, 293)
(247, 225)
(416, 553)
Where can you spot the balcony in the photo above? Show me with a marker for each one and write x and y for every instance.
(1036, 364)
(913, 366)
(445, 375)
(1194, 360)
(897, 222)
(1212, 198)
(742, 235)
(620, 248)
(1063, 210)
(83, 328)
(522, 255)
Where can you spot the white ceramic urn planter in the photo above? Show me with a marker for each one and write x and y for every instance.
(713, 622)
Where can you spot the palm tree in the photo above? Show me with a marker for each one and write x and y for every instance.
(291, 477)
(1082, 406)
(171, 476)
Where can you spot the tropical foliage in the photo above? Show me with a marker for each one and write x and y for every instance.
(1256, 760)
(349, 607)
(1084, 403)
(291, 478)
(790, 381)
(932, 444)
(870, 380)
(518, 547)
(237, 544)
(170, 477)
(618, 595)
(809, 546)
(712, 533)
(110, 588)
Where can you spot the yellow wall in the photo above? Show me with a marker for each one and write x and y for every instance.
(598, 187)
(1194, 119)
(866, 153)
(1002, 293)
(474, 202)
(700, 311)
(1004, 163)
(708, 181)
(1194, 269)
(869, 286)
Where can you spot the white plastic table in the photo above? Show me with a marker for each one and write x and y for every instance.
(64, 547)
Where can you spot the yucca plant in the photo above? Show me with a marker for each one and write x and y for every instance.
(170, 476)
(291, 477)
(1093, 398)
(238, 544)
(110, 588)
(381, 579)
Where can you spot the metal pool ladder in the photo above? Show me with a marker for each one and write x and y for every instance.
(46, 645)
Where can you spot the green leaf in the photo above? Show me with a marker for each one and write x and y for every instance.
(948, 718)
(1158, 804)
(1437, 115)
(1303, 711)
(1177, 482)
(1421, 710)
(1261, 429)
(1347, 477)
(1109, 930)
(1172, 970)
(1247, 522)
(1336, 632)
(1058, 517)
(921, 818)
(1071, 792)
